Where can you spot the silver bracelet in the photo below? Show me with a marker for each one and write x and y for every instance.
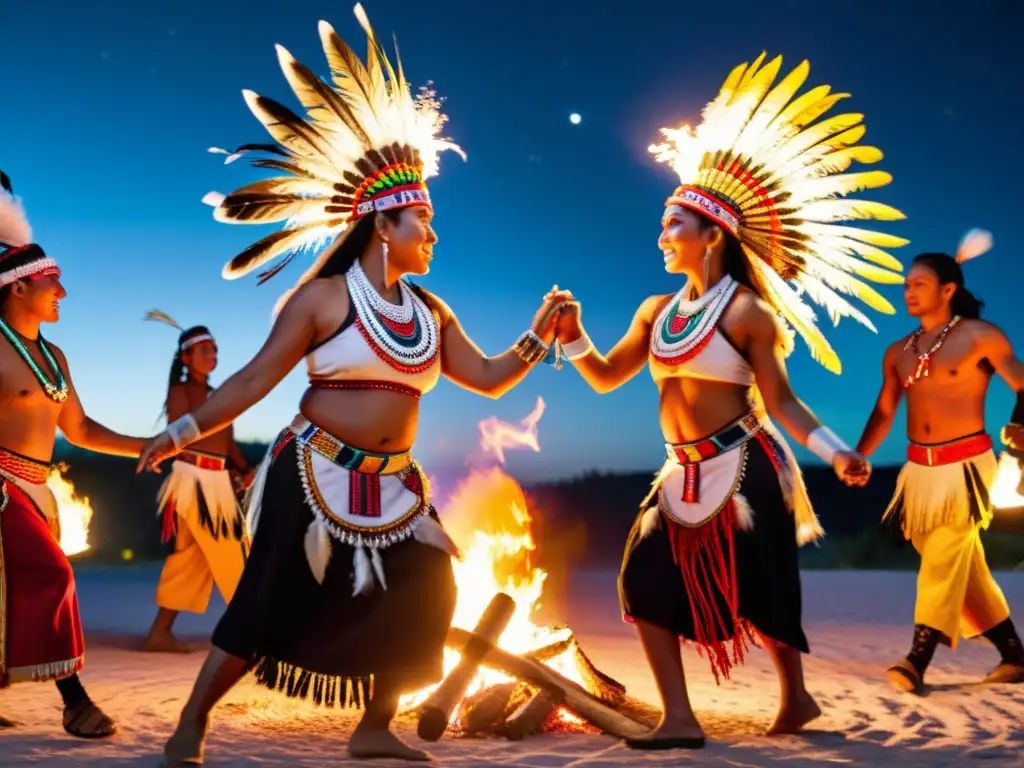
(825, 444)
(183, 431)
(578, 348)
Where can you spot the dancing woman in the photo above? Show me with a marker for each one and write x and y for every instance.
(713, 559)
(348, 592)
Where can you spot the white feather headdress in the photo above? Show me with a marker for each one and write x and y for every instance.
(366, 144)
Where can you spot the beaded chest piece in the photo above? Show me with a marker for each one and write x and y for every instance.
(684, 328)
(404, 336)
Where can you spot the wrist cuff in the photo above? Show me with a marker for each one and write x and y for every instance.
(183, 431)
(581, 347)
(825, 444)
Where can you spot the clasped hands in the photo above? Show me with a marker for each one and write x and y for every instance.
(558, 317)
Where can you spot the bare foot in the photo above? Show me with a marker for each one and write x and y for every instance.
(682, 734)
(5, 723)
(794, 715)
(367, 744)
(185, 747)
(165, 642)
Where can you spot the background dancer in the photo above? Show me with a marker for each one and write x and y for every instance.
(348, 594)
(40, 627)
(714, 558)
(941, 502)
(199, 501)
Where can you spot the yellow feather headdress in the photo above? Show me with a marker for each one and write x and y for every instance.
(365, 145)
(763, 166)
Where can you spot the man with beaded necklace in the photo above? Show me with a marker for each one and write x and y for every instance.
(40, 628)
(941, 504)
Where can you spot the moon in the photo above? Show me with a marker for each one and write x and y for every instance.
(575, 118)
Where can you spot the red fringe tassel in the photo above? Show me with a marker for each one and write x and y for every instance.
(706, 556)
(170, 521)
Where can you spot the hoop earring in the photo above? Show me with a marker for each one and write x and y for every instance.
(384, 256)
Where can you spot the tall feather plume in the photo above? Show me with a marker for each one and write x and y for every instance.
(363, 120)
(784, 165)
(162, 317)
(14, 226)
(975, 243)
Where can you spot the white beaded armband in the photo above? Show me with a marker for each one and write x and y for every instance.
(183, 431)
(825, 444)
(581, 347)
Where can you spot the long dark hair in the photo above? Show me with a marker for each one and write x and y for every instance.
(946, 269)
(177, 375)
(733, 260)
(354, 246)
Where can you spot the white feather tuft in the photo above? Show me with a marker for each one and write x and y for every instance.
(162, 317)
(213, 199)
(975, 243)
(14, 226)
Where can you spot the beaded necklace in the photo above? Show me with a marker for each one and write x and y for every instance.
(685, 327)
(924, 361)
(404, 336)
(56, 390)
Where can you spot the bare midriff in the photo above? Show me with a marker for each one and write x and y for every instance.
(370, 419)
(691, 409)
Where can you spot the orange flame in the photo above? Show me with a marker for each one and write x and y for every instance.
(487, 516)
(75, 513)
(1006, 488)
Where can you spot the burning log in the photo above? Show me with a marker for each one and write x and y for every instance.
(579, 700)
(437, 710)
(530, 716)
(485, 710)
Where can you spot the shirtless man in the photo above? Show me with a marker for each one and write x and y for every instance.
(199, 500)
(941, 502)
(40, 627)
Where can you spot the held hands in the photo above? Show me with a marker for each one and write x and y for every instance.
(546, 321)
(852, 468)
(156, 451)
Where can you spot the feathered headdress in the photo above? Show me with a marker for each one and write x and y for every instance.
(19, 256)
(365, 145)
(189, 337)
(764, 168)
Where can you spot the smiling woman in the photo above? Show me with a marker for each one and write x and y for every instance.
(348, 592)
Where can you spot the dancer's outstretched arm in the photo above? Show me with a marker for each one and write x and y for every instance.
(1000, 353)
(465, 364)
(291, 337)
(880, 421)
(81, 431)
(759, 336)
(625, 360)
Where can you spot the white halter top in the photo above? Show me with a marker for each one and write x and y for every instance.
(685, 342)
(380, 343)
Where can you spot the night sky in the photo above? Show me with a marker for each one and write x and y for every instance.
(109, 108)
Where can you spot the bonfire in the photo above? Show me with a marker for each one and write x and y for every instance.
(488, 517)
(75, 513)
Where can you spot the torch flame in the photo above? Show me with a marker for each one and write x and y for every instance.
(75, 513)
(487, 515)
(1006, 489)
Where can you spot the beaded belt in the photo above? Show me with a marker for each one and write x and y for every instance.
(346, 456)
(362, 384)
(960, 449)
(722, 441)
(203, 460)
(22, 467)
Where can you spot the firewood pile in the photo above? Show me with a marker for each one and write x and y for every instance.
(537, 700)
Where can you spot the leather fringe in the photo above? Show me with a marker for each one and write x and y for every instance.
(322, 690)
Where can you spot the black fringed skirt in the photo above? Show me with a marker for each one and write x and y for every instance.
(318, 641)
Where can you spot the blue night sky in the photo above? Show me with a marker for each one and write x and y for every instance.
(111, 105)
